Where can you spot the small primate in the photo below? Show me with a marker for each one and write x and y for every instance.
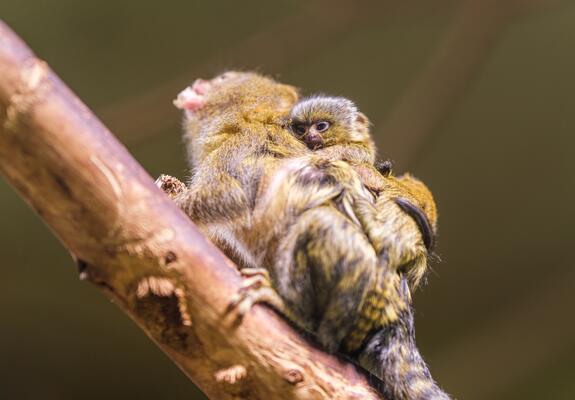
(334, 128)
(298, 224)
(235, 138)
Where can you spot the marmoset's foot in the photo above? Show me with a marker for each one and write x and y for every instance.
(256, 288)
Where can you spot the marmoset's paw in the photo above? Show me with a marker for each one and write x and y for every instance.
(256, 288)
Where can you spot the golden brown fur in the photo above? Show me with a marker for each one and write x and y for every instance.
(269, 202)
(334, 129)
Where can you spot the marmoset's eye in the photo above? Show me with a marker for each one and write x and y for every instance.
(322, 126)
(300, 129)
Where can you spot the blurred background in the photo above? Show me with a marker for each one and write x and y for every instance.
(477, 98)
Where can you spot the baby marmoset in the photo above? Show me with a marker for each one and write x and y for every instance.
(335, 129)
(268, 202)
(334, 125)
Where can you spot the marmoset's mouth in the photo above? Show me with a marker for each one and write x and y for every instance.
(420, 219)
(313, 141)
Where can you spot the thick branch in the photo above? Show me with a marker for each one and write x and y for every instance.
(142, 250)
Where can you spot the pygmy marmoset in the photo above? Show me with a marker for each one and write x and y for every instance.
(271, 204)
(334, 128)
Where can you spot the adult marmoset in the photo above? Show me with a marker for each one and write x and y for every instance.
(269, 203)
(232, 146)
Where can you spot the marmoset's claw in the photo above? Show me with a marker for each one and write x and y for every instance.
(255, 271)
(256, 288)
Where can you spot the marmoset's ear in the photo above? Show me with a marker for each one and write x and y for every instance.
(362, 119)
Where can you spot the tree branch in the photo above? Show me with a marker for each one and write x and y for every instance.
(142, 251)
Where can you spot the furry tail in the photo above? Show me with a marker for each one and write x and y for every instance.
(391, 355)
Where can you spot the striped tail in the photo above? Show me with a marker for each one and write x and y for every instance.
(392, 356)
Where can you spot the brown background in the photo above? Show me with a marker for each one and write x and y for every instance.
(475, 97)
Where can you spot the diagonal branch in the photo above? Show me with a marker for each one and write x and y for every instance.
(142, 251)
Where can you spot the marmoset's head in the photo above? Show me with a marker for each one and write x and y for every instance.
(322, 121)
(229, 103)
(235, 92)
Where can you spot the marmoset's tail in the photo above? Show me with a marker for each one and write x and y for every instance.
(392, 356)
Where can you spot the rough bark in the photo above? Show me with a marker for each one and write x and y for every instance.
(142, 251)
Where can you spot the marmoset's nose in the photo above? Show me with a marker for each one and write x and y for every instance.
(314, 141)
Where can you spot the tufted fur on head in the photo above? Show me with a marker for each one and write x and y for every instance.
(346, 123)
